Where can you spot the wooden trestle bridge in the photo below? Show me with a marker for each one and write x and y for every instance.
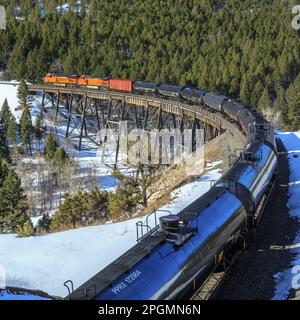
(90, 110)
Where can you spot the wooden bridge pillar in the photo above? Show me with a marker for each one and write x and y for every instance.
(82, 125)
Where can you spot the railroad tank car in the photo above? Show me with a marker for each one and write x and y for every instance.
(168, 90)
(123, 85)
(145, 87)
(214, 100)
(246, 119)
(193, 95)
(260, 130)
(232, 109)
(169, 272)
(251, 174)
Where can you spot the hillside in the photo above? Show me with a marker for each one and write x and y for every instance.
(245, 49)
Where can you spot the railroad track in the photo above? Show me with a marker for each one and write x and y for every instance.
(214, 281)
(216, 277)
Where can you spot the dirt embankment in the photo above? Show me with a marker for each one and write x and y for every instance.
(219, 149)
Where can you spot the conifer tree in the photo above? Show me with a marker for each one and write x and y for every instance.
(264, 101)
(26, 128)
(4, 152)
(60, 157)
(12, 130)
(26, 229)
(39, 128)
(293, 97)
(22, 93)
(5, 114)
(3, 171)
(13, 206)
(280, 104)
(44, 223)
(50, 146)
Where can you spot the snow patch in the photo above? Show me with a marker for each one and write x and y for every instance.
(46, 262)
(291, 141)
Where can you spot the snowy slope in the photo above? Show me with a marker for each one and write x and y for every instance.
(19, 295)
(45, 262)
(291, 142)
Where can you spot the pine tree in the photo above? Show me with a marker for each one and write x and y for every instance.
(293, 97)
(12, 130)
(5, 114)
(245, 93)
(13, 205)
(44, 223)
(264, 101)
(50, 146)
(4, 151)
(96, 204)
(22, 93)
(26, 128)
(280, 104)
(39, 128)
(3, 171)
(26, 230)
(60, 157)
(118, 203)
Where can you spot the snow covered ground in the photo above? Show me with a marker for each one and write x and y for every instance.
(91, 160)
(284, 280)
(9, 91)
(12, 295)
(46, 262)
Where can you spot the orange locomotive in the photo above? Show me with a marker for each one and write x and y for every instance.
(93, 82)
(61, 80)
(90, 82)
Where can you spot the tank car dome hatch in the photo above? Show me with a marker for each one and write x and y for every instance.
(170, 221)
(178, 228)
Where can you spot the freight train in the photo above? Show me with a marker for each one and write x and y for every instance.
(175, 257)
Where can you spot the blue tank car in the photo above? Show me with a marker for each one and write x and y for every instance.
(251, 174)
(171, 268)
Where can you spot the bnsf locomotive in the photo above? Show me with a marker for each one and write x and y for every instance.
(174, 258)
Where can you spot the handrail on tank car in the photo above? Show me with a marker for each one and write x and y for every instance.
(140, 225)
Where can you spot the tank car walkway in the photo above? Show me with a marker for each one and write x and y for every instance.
(252, 276)
(104, 278)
